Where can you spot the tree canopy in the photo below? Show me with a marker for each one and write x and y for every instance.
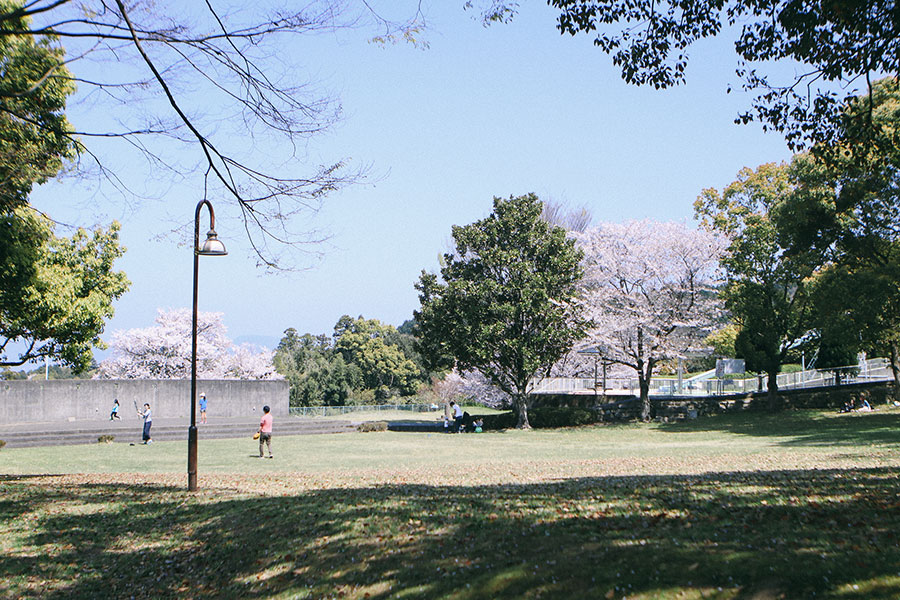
(767, 290)
(839, 47)
(505, 302)
(35, 137)
(55, 292)
(648, 289)
(363, 361)
(846, 209)
(163, 351)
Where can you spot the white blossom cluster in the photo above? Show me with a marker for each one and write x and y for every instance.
(163, 351)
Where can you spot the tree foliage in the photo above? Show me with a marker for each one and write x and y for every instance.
(55, 292)
(505, 304)
(846, 208)
(648, 288)
(767, 290)
(35, 137)
(163, 351)
(316, 374)
(840, 46)
(363, 359)
(374, 347)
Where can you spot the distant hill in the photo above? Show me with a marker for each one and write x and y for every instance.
(269, 342)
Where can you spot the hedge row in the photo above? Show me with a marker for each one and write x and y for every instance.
(545, 417)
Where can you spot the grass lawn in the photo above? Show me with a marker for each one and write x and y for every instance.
(803, 504)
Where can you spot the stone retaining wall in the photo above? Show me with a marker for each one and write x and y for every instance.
(628, 407)
(27, 401)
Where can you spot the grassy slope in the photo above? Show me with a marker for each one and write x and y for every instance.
(802, 504)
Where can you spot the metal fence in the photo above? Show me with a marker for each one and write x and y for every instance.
(875, 369)
(333, 411)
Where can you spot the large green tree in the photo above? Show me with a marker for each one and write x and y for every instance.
(35, 137)
(55, 292)
(364, 358)
(767, 290)
(370, 344)
(840, 45)
(505, 302)
(847, 208)
(317, 375)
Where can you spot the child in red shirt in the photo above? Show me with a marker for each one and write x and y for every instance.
(265, 432)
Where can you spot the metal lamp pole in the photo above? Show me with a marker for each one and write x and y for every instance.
(211, 247)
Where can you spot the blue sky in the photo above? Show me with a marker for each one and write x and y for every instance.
(482, 112)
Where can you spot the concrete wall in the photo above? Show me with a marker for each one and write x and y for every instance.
(32, 401)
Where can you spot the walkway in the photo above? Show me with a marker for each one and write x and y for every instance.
(128, 430)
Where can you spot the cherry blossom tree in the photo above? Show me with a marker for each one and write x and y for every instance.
(471, 385)
(648, 288)
(164, 351)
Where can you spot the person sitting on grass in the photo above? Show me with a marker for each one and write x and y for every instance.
(468, 423)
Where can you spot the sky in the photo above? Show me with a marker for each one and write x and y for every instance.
(481, 112)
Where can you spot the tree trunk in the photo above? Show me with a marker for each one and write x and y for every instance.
(772, 386)
(895, 368)
(644, 384)
(521, 404)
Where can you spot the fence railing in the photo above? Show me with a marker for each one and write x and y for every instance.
(875, 369)
(333, 411)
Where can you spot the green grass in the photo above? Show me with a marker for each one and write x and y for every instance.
(797, 505)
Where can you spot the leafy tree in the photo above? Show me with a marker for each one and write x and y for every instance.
(163, 351)
(722, 341)
(316, 374)
(506, 305)
(847, 208)
(367, 343)
(840, 45)
(767, 290)
(56, 293)
(364, 358)
(836, 350)
(35, 137)
(648, 288)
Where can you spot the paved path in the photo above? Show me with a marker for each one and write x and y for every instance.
(128, 430)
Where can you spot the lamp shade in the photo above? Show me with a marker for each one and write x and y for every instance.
(212, 246)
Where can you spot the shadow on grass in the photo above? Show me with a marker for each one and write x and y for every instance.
(802, 427)
(740, 535)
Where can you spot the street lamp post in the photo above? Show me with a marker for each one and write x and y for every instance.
(211, 247)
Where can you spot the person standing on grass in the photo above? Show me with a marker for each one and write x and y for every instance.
(265, 432)
(148, 421)
(203, 408)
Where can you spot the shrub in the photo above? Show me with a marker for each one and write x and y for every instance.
(499, 421)
(2, 443)
(106, 439)
(563, 416)
(369, 426)
(545, 417)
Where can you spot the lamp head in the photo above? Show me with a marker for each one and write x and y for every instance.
(212, 246)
